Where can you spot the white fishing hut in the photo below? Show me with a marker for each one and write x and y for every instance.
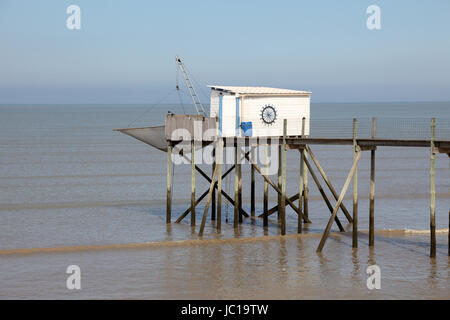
(259, 111)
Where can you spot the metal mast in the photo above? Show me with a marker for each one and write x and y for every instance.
(197, 104)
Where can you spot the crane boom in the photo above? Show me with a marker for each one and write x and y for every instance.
(195, 99)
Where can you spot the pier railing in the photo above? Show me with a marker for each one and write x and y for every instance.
(387, 128)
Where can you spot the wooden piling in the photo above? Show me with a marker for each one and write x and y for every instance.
(301, 182)
(432, 191)
(324, 196)
(328, 183)
(305, 176)
(213, 198)
(204, 175)
(169, 184)
(283, 180)
(266, 188)
(275, 208)
(236, 187)
(305, 190)
(223, 193)
(355, 189)
(239, 168)
(341, 197)
(279, 182)
(219, 161)
(210, 193)
(300, 193)
(192, 183)
(252, 193)
(372, 190)
(278, 190)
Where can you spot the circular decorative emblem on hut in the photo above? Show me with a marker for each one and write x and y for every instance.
(268, 114)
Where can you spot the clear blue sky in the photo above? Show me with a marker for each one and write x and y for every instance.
(124, 52)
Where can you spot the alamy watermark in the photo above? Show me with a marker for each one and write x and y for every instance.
(374, 20)
(374, 279)
(262, 151)
(73, 22)
(74, 280)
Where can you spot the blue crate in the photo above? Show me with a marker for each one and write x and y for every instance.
(246, 129)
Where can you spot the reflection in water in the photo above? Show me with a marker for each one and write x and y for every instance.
(283, 267)
(356, 263)
(433, 270)
(169, 231)
(371, 259)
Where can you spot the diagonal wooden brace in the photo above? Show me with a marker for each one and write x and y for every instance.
(293, 206)
(339, 201)
(324, 196)
(208, 201)
(223, 192)
(189, 209)
(328, 183)
(275, 208)
(206, 192)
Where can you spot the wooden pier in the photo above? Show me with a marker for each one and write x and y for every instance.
(244, 150)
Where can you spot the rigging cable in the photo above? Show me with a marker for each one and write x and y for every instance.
(196, 82)
(177, 86)
(151, 107)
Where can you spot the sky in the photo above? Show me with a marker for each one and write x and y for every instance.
(125, 50)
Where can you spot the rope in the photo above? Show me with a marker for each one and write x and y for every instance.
(181, 100)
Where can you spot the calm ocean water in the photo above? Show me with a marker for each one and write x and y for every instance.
(68, 181)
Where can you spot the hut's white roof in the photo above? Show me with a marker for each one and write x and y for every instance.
(259, 90)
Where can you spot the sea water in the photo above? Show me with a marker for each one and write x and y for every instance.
(74, 192)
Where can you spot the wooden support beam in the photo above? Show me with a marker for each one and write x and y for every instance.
(210, 193)
(239, 168)
(169, 184)
(301, 183)
(219, 158)
(283, 180)
(355, 189)
(266, 188)
(328, 183)
(279, 183)
(275, 208)
(300, 190)
(305, 175)
(341, 197)
(442, 150)
(305, 189)
(236, 188)
(204, 195)
(252, 192)
(372, 190)
(324, 196)
(432, 192)
(226, 195)
(185, 213)
(192, 183)
(368, 148)
(213, 198)
(273, 185)
(222, 192)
